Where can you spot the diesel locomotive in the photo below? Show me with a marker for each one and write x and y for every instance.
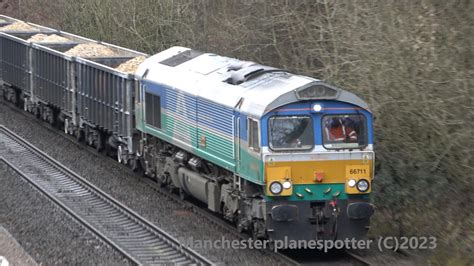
(280, 155)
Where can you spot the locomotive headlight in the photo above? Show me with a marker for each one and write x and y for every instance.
(351, 183)
(276, 188)
(363, 185)
(286, 184)
(317, 108)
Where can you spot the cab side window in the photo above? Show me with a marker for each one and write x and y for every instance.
(253, 136)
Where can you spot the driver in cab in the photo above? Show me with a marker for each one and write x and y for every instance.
(340, 130)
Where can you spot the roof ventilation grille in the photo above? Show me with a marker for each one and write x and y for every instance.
(180, 58)
(241, 72)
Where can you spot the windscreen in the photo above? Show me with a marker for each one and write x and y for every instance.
(344, 131)
(291, 133)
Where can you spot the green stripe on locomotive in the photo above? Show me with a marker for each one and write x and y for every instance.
(313, 192)
(217, 149)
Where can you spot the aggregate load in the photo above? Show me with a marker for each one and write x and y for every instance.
(91, 50)
(131, 65)
(19, 26)
(43, 38)
(2, 20)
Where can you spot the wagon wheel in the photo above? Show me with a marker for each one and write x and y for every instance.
(78, 133)
(120, 154)
(50, 118)
(30, 106)
(14, 98)
(25, 104)
(44, 113)
(66, 126)
(108, 150)
(99, 142)
(90, 137)
(36, 111)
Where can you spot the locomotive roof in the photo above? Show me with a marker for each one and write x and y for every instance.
(246, 86)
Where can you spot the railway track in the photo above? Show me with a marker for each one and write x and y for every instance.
(136, 238)
(195, 207)
(358, 258)
(216, 221)
(345, 256)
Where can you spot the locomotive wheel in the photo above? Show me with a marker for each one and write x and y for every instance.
(171, 188)
(228, 214)
(161, 180)
(135, 165)
(240, 228)
(141, 161)
(254, 231)
(258, 230)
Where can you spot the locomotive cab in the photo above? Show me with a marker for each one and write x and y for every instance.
(318, 165)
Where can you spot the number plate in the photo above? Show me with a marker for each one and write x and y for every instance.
(356, 171)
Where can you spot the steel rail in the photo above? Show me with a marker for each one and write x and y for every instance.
(133, 236)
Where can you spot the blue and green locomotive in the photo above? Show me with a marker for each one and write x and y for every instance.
(254, 143)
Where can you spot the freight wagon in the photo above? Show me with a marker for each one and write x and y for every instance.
(92, 99)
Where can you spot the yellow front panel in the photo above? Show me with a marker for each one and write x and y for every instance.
(334, 171)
